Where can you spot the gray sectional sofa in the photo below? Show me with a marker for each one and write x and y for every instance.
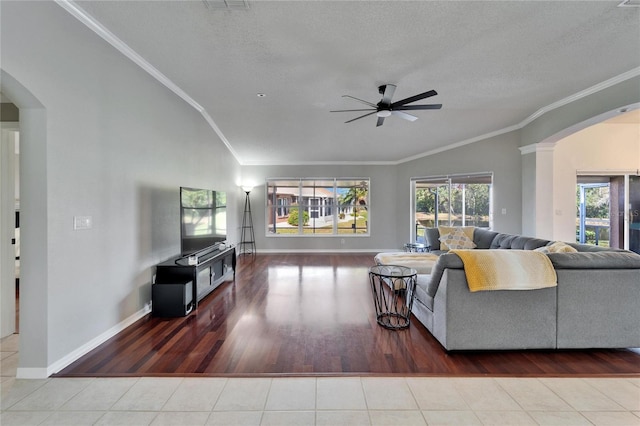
(595, 305)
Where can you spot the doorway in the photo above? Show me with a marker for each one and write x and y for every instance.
(10, 232)
(608, 211)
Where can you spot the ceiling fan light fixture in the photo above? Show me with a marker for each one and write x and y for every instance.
(385, 108)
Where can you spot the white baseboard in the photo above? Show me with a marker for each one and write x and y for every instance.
(43, 373)
(32, 373)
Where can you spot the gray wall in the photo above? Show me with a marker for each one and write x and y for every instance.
(499, 154)
(390, 218)
(108, 142)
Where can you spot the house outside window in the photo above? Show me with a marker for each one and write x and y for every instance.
(452, 200)
(317, 206)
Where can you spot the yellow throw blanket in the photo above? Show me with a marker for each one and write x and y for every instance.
(507, 269)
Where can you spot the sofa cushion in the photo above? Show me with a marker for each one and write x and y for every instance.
(595, 260)
(502, 241)
(534, 243)
(517, 242)
(483, 237)
(591, 248)
(432, 236)
(457, 239)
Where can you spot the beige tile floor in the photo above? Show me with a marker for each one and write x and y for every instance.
(315, 401)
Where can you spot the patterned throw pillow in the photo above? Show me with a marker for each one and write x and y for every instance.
(444, 230)
(457, 240)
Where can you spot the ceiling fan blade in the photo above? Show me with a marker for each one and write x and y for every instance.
(417, 107)
(362, 116)
(414, 98)
(360, 100)
(350, 110)
(380, 121)
(404, 115)
(389, 90)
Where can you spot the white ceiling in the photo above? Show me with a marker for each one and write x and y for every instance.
(494, 64)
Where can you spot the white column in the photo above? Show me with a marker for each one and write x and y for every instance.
(537, 190)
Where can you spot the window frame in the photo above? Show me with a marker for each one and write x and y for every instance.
(310, 196)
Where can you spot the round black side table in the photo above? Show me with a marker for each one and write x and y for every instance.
(393, 289)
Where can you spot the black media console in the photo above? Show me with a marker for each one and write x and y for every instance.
(210, 270)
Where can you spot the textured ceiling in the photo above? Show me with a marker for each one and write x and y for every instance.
(493, 63)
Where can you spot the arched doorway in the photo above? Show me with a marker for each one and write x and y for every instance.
(33, 359)
(595, 183)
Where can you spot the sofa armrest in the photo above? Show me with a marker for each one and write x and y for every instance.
(595, 260)
(446, 260)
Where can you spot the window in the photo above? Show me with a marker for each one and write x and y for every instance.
(327, 206)
(455, 200)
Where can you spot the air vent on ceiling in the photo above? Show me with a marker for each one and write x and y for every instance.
(226, 4)
(630, 3)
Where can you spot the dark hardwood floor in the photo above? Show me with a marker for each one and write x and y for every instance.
(312, 315)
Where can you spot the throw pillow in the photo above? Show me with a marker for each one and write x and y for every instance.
(457, 240)
(560, 247)
(444, 230)
(543, 249)
(557, 247)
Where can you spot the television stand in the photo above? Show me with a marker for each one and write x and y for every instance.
(213, 268)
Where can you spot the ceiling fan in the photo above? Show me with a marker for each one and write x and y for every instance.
(385, 107)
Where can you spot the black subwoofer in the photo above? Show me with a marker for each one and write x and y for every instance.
(172, 300)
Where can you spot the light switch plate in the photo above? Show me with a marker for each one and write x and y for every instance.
(82, 222)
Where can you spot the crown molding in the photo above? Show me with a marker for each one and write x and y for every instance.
(582, 94)
(537, 147)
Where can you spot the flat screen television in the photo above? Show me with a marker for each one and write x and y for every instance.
(203, 219)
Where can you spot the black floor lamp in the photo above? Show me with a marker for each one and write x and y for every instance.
(247, 239)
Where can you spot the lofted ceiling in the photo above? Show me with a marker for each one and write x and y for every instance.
(494, 64)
